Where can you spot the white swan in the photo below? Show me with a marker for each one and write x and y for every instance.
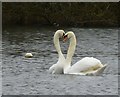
(86, 66)
(58, 67)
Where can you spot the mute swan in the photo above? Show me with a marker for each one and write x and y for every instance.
(85, 66)
(58, 67)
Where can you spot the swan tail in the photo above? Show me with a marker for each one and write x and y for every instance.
(99, 71)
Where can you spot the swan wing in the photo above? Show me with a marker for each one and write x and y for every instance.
(97, 72)
(86, 64)
(56, 68)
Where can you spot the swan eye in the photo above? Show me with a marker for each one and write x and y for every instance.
(63, 34)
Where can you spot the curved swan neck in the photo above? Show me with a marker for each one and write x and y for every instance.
(71, 49)
(57, 44)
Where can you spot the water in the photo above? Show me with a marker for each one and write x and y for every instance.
(29, 76)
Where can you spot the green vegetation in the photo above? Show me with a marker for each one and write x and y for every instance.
(80, 14)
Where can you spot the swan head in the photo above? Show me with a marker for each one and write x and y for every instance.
(68, 35)
(60, 33)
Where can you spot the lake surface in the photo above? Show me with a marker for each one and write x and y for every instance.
(29, 76)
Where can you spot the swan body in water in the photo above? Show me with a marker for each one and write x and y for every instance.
(85, 66)
(58, 67)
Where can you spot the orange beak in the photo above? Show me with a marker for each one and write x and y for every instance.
(65, 39)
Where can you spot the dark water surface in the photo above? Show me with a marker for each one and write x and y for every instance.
(29, 76)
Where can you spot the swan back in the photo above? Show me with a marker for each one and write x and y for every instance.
(86, 64)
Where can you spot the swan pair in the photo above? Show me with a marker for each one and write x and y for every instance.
(85, 66)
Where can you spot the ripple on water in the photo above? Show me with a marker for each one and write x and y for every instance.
(30, 76)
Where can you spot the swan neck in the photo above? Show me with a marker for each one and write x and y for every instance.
(71, 49)
(57, 44)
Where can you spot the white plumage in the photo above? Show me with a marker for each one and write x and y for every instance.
(85, 66)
